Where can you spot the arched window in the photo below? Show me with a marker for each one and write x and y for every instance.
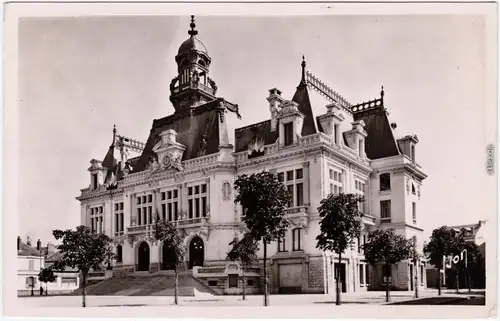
(385, 182)
(296, 238)
(201, 63)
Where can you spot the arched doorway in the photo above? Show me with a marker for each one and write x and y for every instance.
(196, 252)
(168, 258)
(143, 257)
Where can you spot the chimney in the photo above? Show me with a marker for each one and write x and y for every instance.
(38, 244)
(51, 248)
(18, 243)
(274, 100)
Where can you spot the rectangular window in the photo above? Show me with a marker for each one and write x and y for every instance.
(296, 239)
(385, 182)
(336, 134)
(288, 129)
(118, 218)
(198, 201)
(119, 254)
(168, 203)
(282, 244)
(413, 153)
(144, 209)
(335, 181)
(190, 207)
(361, 274)
(367, 274)
(96, 223)
(414, 212)
(31, 264)
(197, 206)
(94, 181)
(385, 211)
(358, 243)
(294, 186)
(204, 206)
(300, 194)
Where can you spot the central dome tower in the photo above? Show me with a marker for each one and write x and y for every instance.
(192, 86)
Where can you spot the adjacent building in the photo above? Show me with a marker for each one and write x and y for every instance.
(29, 263)
(186, 169)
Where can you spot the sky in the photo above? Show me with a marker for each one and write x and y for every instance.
(80, 76)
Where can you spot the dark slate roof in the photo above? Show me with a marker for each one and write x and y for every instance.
(26, 250)
(380, 142)
(260, 131)
(190, 127)
(301, 97)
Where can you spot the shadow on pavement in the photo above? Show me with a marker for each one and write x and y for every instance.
(343, 302)
(123, 305)
(445, 301)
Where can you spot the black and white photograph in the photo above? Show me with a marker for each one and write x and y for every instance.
(184, 160)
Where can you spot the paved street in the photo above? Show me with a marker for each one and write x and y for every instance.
(252, 300)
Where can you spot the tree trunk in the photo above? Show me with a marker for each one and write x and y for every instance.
(244, 283)
(266, 302)
(416, 279)
(387, 284)
(176, 286)
(46, 288)
(468, 278)
(84, 285)
(457, 280)
(337, 282)
(439, 279)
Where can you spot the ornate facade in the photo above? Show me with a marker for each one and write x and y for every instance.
(186, 169)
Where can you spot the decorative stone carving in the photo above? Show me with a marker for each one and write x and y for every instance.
(226, 191)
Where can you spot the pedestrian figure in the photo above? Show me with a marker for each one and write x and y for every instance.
(41, 290)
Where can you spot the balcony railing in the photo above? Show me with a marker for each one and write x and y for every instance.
(190, 85)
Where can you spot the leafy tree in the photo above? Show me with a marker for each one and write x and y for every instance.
(339, 226)
(439, 246)
(473, 256)
(46, 275)
(84, 250)
(388, 248)
(167, 233)
(244, 251)
(264, 199)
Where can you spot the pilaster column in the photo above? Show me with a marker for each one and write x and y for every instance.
(307, 191)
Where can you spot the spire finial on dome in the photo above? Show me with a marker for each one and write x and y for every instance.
(303, 64)
(192, 32)
(382, 92)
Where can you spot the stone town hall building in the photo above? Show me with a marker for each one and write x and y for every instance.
(186, 170)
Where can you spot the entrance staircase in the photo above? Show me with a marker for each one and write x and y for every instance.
(146, 284)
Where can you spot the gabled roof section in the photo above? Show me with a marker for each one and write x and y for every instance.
(380, 142)
(301, 97)
(26, 250)
(200, 124)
